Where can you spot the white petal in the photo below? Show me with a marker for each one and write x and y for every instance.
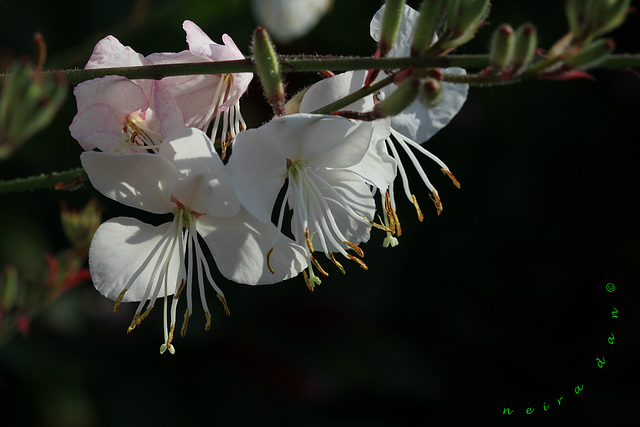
(119, 92)
(202, 183)
(377, 167)
(404, 37)
(120, 247)
(334, 88)
(240, 245)
(257, 170)
(419, 123)
(143, 181)
(109, 52)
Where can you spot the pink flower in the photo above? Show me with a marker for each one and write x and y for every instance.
(118, 115)
(203, 97)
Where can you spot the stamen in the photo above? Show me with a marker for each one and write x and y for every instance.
(207, 325)
(355, 248)
(224, 303)
(269, 261)
(333, 258)
(167, 345)
(185, 322)
(359, 261)
(308, 239)
(311, 280)
(453, 178)
(138, 318)
(119, 300)
(381, 226)
(180, 289)
(418, 210)
(436, 201)
(318, 266)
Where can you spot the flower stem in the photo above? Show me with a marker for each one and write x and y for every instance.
(58, 180)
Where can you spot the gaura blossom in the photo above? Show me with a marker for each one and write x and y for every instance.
(133, 261)
(118, 115)
(416, 124)
(203, 97)
(287, 20)
(313, 156)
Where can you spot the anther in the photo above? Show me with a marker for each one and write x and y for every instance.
(308, 239)
(417, 206)
(436, 201)
(355, 248)
(119, 300)
(185, 322)
(138, 318)
(180, 289)
(224, 302)
(269, 261)
(453, 178)
(359, 261)
(333, 258)
(318, 266)
(207, 325)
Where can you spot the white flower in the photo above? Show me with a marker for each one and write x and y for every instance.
(416, 124)
(287, 20)
(332, 205)
(133, 261)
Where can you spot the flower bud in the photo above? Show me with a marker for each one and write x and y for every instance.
(393, 12)
(8, 288)
(502, 45)
(573, 11)
(80, 226)
(28, 102)
(463, 19)
(526, 41)
(613, 15)
(430, 93)
(428, 21)
(591, 55)
(400, 99)
(266, 60)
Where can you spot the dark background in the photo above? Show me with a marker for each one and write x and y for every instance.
(498, 302)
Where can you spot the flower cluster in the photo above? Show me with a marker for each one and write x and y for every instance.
(262, 203)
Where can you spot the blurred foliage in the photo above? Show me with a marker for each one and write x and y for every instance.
(497, 302)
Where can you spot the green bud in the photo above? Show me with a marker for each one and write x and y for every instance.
(80, 226)
(29, 100)
(8, 287)
(400, 99)
(573, 10)
(393, 12)
(526, 41)
(428, 21)
(463, 19)
(502, 46)
(266, 60)
(591, 54)
(430, 93)
(293, 105)
(614, 15)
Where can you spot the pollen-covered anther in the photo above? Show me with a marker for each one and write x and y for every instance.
(207, 325)
(224, 303)
(359, 261)
(355, 248)
(138, 318)
(308, 239)
(185, 322)
(318, 266)
(180, 289)
(333, 259)
(453, 178)
(381, 226)
(269, 261)
(418, 210)
(436, 201)
(119, 300)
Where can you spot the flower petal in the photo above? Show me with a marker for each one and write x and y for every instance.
(143, 181)
(202, 183)
(240, 245)
(120, 248)
(109, 52)
(119, 92)
(404, 37)
(334, 88)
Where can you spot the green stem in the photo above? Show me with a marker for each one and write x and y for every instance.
(360, 93)
(42, 181)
